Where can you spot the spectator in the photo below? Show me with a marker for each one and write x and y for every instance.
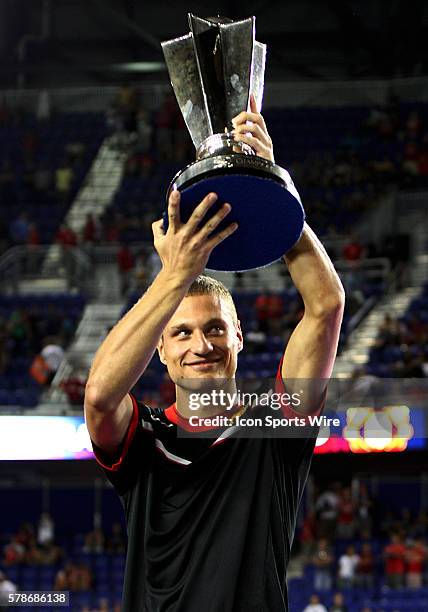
(315, 605)
(64, 176)
(394, 555)
(144, 129)
(6, 587)
(338, 603)
(164, 120)
(365, 568)
(140, 271)
(19, 331)
(125, 263)
(73, 577)
(345, 519)
(39, 371)
(415, 558)
(365, 505)
(116, 544)
(74, 388)
(348, 563)
(51, 554)
(103, 605)
(53, 355)
(19, 229)
(269, 311)
(67, 240)
(33, 554)
(255, 339)
(91, 230)
(353, 250)
(14, 552)
(66, 237)
(94, 542)
(326, 508)
(127, 105)
(45, 529)
(323, 562)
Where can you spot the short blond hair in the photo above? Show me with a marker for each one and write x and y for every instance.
(206, 285)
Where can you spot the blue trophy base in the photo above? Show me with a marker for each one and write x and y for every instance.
(265, 205)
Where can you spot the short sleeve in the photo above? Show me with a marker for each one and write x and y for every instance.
(135, 454)
(286, 406)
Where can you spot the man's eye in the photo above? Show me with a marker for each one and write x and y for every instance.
(183, 332)
(216, 329)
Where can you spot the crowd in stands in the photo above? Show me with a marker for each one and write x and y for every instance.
(387, 147)
(68, 568)
(35, 331)
(353, 549)
(45, 158)
(33, 546)
(401, 346)
(350, 544)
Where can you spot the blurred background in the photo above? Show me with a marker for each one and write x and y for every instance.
(90, 137)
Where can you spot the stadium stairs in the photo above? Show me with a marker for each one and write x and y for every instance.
(95, 195)
(412, 213)
(359, 343)
(103, 309)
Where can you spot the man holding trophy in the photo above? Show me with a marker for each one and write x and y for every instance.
(211, 519)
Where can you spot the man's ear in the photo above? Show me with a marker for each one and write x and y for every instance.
(240, 336)
(161, 351)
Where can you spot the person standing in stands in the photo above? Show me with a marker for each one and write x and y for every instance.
(210, 521)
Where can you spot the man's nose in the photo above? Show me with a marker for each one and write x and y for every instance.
(200, 344)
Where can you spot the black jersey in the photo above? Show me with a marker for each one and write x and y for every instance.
(210, 521)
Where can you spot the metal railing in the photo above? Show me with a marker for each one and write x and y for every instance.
(25, 263)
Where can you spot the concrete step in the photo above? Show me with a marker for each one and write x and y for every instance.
(44, 285)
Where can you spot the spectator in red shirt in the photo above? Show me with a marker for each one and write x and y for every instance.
(33, 250)
(66, 237)
(90, 230)
(394, 555)
(353, 250)
(269, 311)
(125, 262)
(415, 559)
(67, 240)
(365, 567)
(345, 519)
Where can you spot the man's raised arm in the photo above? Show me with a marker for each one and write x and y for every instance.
(124, 355)
(311, 351)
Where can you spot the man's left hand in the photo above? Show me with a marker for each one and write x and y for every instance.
(250, 127)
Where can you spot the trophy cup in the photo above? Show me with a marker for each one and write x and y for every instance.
(213, 71)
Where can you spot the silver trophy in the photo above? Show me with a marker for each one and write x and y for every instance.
(213, 71)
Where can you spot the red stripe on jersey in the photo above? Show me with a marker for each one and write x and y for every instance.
(286, 407)
(101, 457)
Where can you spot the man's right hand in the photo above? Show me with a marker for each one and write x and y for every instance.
(185, 248)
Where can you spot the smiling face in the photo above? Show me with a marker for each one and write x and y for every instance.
(202, 340)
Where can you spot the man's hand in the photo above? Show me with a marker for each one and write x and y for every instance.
(251, 129)
(185, 248)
